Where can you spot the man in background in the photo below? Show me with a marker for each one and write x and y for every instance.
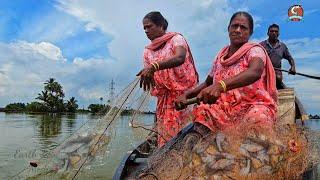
(277, 51)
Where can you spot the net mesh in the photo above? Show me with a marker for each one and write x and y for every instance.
(70, 157)
(236, 153)
(246, 152)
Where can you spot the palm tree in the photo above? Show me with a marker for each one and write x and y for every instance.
(52, 95)
(72, 105)
(54, 88)
(43, 96)
(101, 99)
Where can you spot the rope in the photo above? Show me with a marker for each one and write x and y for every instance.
(65, 140)
(120, 108)
(141, 126)
(285, 113)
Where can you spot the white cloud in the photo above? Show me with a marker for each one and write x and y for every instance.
(304, 48)
(26, 66)
(3, 80)
(92, 93)
(90, 27)
(203, 23)
(48, 50)
(52, 26)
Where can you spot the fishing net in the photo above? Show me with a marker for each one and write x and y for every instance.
(69, 158)
(247, 152)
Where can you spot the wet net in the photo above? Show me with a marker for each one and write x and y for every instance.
(68, 159)
(246, 152)
(235, 153)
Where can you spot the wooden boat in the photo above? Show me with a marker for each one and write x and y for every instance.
(134, 161)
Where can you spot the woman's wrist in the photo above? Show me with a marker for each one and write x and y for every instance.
(155, 66)
(222, 85)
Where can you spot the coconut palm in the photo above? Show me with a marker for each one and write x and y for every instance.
(54, 88)
(71, 105)
(43, 96)
(52, 96)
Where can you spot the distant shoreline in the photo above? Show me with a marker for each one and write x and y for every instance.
(126, 112)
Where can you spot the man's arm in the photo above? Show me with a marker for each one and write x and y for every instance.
(287, 56)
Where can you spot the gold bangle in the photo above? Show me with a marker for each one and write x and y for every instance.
(154, 66)
(158, 66)
(223, 85)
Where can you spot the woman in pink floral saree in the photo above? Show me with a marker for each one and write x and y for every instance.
(241, 84)
(168, 72)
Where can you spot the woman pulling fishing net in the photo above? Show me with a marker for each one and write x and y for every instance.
(241, 84)
(168, 72)
(238, 105)
(234, 135)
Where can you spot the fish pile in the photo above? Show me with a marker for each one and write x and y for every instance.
(201, 154)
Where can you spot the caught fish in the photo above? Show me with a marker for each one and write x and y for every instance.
(215, 155)
(74, 152)
(220, 138)
(245, 171)
(252, 147)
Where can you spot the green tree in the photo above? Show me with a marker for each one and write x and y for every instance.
(43, 96)
(36, 107)
(52, 96)
(15, 107)
(95, 108)
(71, 105)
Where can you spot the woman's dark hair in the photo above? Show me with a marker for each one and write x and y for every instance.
(157, 18)
(245, 14)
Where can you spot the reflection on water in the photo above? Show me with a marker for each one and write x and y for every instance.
(70, 121)
(25, 137)
(50, 126)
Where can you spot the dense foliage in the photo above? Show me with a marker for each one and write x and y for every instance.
(15, 107)
(50, 100)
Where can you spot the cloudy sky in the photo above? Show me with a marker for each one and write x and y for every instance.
(84, 44)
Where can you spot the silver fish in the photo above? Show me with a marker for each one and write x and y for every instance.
(252, 147)
(222, 164)
(220, 138)
(263, 156)
(245, 171)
